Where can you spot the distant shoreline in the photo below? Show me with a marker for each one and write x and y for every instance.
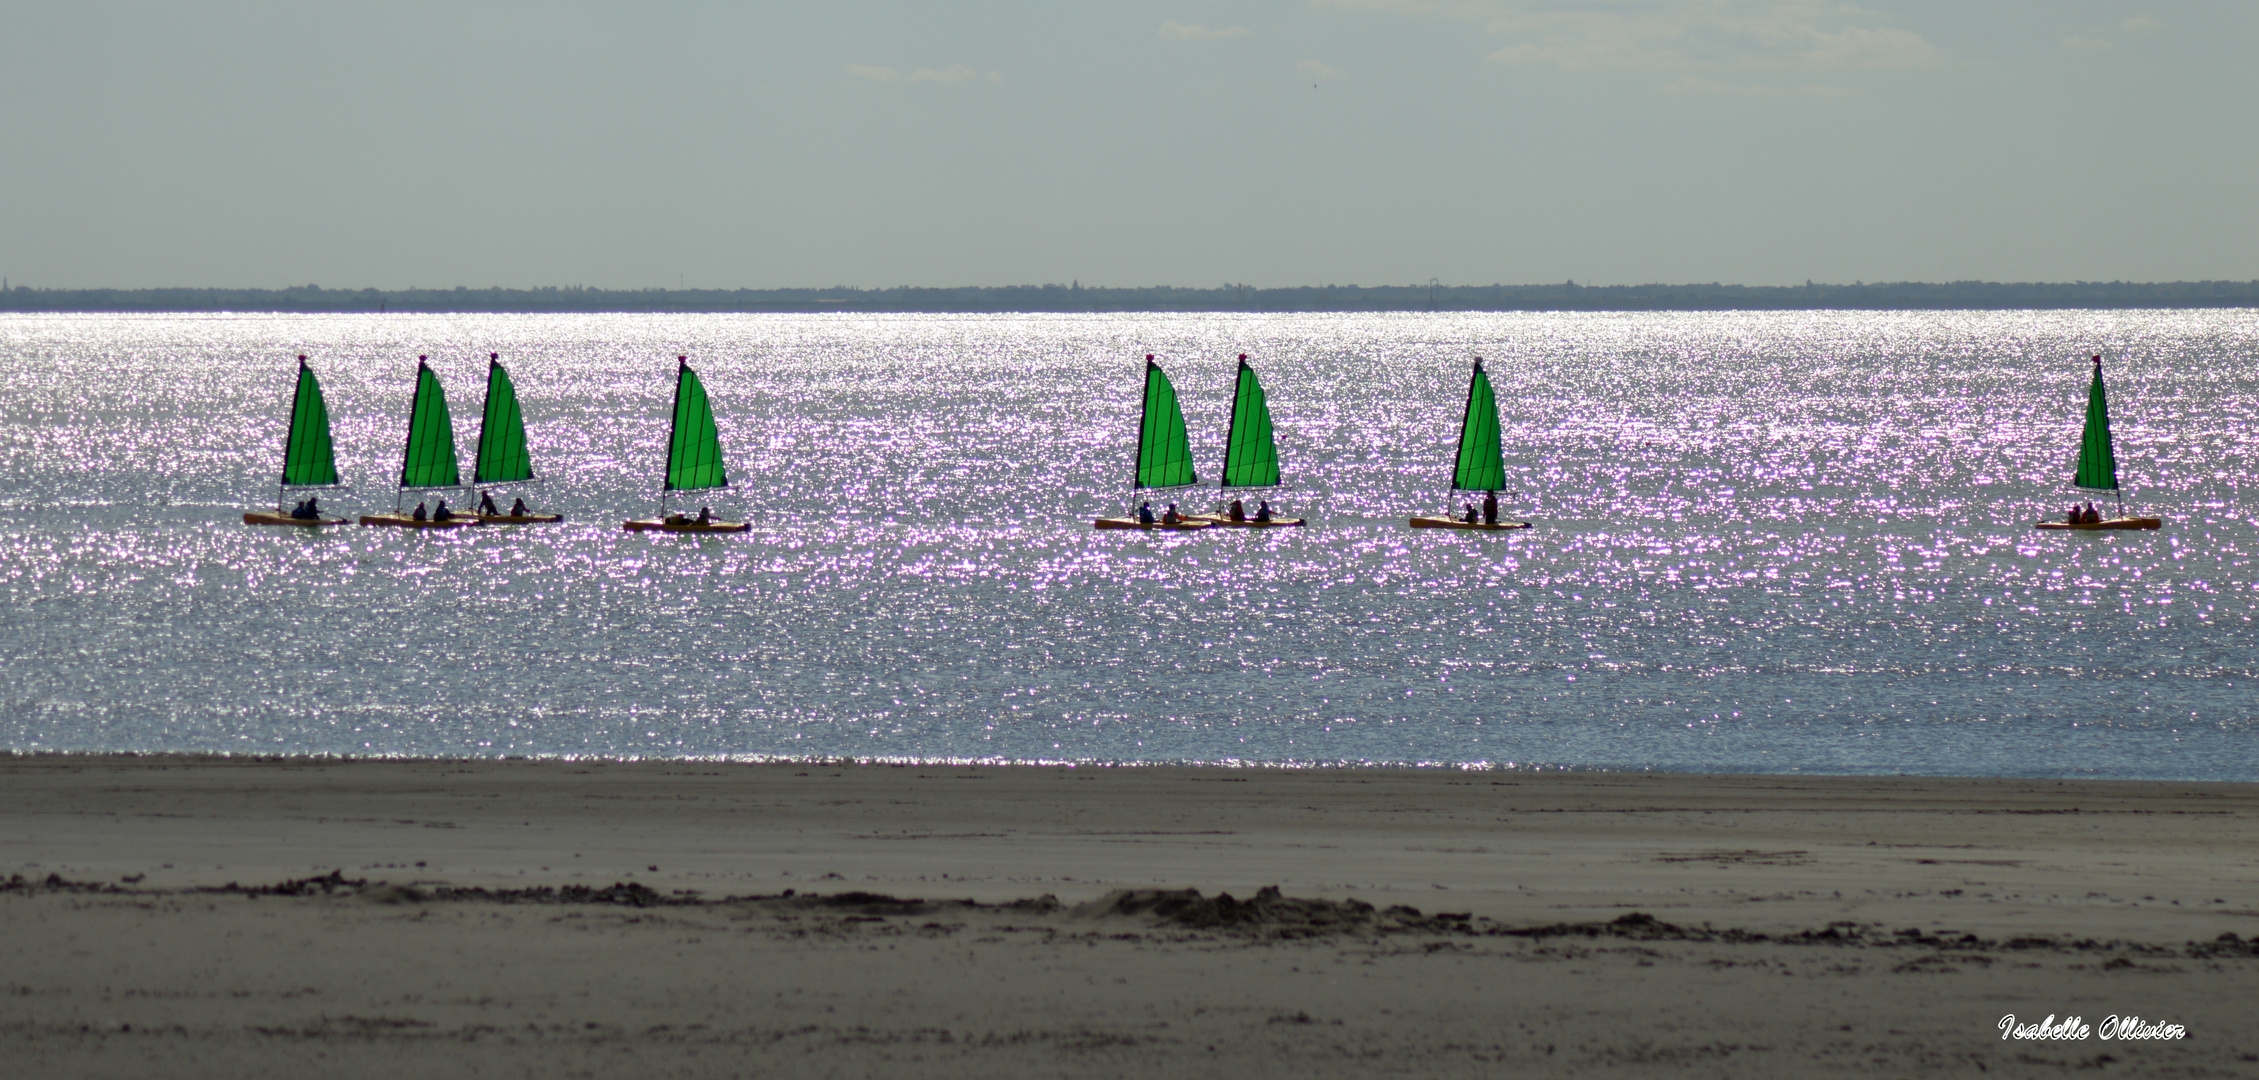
(1076, 298)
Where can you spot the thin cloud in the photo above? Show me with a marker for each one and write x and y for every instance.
(1176, 31)
(1666, 36)
(2104, 38)
(957, 74)
(1316, 69)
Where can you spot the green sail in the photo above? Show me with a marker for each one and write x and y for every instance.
(1480, 468)
(502, 456)
(694, 451)
(1164, 457)
(307, 460)
(429, 460)
(1251, 456)
(2098, 467)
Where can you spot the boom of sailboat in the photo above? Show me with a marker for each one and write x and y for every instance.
(1162, 468)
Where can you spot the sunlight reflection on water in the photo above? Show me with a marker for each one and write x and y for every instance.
(1766, 541)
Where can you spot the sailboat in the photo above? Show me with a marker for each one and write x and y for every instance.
(694, 459)
(308, 462)
(502, 455)
(427, 462)
(2098, 465)
(1480, 466)
(1164, 456)
(1251, 455)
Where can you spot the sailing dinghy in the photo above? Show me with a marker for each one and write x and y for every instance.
(308, 462)
(694, 459)
(2098, 465)
(502, 454)
(427, 463)
(1480, 466)
(1251, 455)
(1164, 456)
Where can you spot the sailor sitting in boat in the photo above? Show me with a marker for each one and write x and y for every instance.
(486, 503)
(1238, 510)
(420, 514)
(1145, 513)
(705, 516)
(1169, 516)
(443, 513)
(304, 511)
(1263, 512)
(1470, 518)
(518, 508)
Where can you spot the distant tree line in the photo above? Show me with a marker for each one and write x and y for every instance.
(1567, 296)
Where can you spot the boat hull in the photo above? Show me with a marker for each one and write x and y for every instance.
(403, 521)
(516, 519)
(689, 526)
(2098, 526)
(255, 517)
(1251, 523)
(1133, 523)
(1467, 526)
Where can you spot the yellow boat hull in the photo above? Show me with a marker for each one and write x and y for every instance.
(403, 521)
(1471, 526)
(516, 519)
(689, 526)
(2113, 523)
(256, 517)
(1133, 523)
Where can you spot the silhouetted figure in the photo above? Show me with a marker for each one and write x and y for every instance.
(1169, 516)
(518, 508)
(486, 503)
(1490, 508)
(421, 514)
(1470, 518)
(705, 516)
(1238, 510)
(443, 513)
(1145, 513)
(1263, 512)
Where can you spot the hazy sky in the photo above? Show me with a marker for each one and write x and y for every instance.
(1274, 142)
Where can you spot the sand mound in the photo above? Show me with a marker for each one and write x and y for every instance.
(1268, 913)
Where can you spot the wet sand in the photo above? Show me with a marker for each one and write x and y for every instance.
(550, 918)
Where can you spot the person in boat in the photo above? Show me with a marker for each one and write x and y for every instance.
(1239, 510)
(1263, 511)
(1470, 518)
(2077, 515)
(677, 519)
(1490, 508)
(303, 511)
(486, 503)
(705, 516)
(1145, 513)
(1169, 516)
(2093, 516)
(443, 513)
(420, 514)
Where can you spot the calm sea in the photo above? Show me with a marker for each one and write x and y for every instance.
(1765, 542)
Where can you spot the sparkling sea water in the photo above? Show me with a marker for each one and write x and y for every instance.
(1764, 542)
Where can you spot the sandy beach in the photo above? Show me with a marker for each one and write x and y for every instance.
(209, 917)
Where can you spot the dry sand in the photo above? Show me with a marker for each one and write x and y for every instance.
(558, 918)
